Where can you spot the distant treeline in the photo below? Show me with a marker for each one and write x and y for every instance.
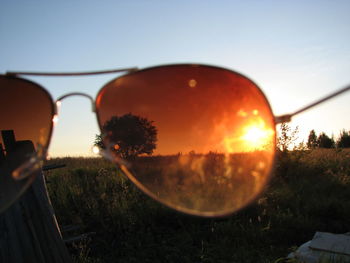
(324, 141)
(287, 137)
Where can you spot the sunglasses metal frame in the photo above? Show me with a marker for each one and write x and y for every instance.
(278, 119)
(25, 169)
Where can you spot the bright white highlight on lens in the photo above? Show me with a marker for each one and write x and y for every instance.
(55, 119)
(95, 150)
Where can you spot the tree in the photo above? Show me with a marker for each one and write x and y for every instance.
(128, 136)
(287, 137)
(323, 141)
(312, 140)
(344, 139)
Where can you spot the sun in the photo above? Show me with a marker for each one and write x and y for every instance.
(257, 136)
(254, 134)
(249, 132)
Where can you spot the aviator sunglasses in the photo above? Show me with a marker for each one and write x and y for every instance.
(200, 139)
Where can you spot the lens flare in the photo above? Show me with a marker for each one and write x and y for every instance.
(257, 136)
(95, 149)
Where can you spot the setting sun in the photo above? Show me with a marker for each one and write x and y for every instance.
(257, 136)
(254, 135)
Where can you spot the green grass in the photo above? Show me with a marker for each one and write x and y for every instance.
(309, 192)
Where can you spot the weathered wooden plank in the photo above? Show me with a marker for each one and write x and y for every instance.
(28, 229)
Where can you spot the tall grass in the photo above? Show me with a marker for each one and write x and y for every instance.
(310, 192)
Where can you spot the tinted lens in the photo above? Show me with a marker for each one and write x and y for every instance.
(26, 112)
(199, 139)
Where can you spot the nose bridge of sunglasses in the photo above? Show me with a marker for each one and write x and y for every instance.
(59, 100)
(74, 128)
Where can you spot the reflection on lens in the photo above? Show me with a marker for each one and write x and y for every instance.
(199, 139)
(26, 113)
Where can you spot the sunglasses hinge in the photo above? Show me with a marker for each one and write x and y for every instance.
(283, 118)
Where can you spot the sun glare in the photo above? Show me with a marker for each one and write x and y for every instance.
(95, 149)
(257, 136)
(254, 135)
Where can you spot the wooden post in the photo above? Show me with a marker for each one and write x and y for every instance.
(28, 229)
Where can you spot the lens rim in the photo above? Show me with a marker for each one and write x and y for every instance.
(43, 152)
(152, 195)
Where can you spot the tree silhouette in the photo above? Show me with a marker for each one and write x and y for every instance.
(287, 137)
(323, 141)
(130, 135)
(344, 140)
(312, 140)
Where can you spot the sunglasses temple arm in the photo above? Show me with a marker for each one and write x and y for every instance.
(288, 117)
(67, 74)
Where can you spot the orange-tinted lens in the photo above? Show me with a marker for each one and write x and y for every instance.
(26, 112)
(199, 139)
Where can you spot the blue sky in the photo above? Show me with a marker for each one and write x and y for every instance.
(296, 51)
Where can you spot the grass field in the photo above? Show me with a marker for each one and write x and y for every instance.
(309, 192)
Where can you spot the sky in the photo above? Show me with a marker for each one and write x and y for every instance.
(296, 51)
